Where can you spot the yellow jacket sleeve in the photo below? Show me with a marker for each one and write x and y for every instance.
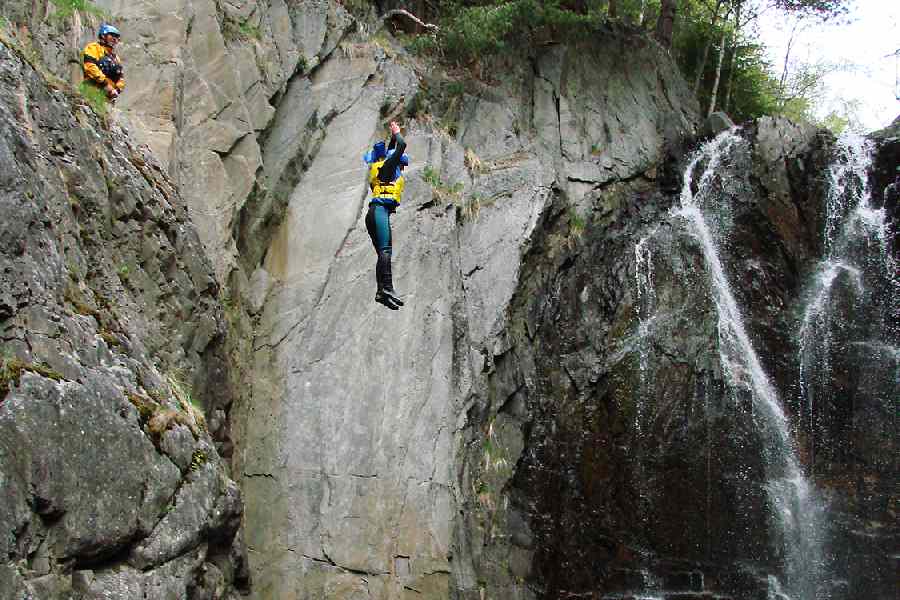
(93, 52)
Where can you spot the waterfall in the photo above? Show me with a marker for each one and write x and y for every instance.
(857, 257)
(644, 308)
(796, 511)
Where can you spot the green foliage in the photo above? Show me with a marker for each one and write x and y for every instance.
(431, 177)
(420, 45)
(754, 91)
(820, 9)
(66, 8)
(835, 123)
(488, 29)
(473, 31)
(441, 190)
(157, 414)
(95, 98)
(233, 30)
(250, 31)
(188, 404)
(577, 225)
(110, 338)
(146, 407)
(124, 272)
(10, 371)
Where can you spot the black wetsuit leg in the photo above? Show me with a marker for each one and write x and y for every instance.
(378, 224)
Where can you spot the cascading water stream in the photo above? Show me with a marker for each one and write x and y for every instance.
(646, 304)
(856, 251)
(796, 511)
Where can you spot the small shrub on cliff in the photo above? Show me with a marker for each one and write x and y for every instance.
(10, 372)
(198, 459)
(233, 30)
(577, 225)
(66, 8)
(471, 208)
(441, 190)
(473, 162)
(188, 406)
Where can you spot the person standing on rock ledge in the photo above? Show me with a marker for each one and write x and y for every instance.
(386, 182)
(102, 66)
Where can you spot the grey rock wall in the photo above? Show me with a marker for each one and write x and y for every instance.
(353, 441)
(204, 82)
(112, 334)
(497, 437)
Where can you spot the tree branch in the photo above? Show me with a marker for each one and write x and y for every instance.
(399, 11)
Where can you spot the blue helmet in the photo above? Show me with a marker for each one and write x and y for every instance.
(107, 29)
(376, 153)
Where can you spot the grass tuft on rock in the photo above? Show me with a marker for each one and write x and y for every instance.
(95, 98)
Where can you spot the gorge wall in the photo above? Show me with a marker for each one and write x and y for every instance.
(113, 484)
(558, 411)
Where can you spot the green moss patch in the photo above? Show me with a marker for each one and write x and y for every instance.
(11, 371)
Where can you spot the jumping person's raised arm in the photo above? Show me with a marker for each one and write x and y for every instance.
(398, 145)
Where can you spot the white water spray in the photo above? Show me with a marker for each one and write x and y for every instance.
(856, 252)
(796, 512)
(645, 307)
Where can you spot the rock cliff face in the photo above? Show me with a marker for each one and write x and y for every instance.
(112, 482)
(568, 405)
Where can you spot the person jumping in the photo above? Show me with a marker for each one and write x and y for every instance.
(386, 181)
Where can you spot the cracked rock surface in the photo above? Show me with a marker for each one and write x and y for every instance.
(112, 485)
(496, 437)
(350, 446)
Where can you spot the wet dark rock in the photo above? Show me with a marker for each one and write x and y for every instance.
(629, 468)
(886, 176)
(715, 124)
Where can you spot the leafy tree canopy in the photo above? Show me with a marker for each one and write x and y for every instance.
(713, 41)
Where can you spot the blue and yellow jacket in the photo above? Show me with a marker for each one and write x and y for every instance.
(385, 177)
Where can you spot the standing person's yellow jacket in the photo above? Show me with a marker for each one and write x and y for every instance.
(93, 54)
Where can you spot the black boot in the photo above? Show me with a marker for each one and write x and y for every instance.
(382, 298)
(385, 280)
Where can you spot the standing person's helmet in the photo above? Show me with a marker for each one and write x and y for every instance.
(107, 29)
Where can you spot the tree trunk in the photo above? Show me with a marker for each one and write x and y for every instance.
(665, 25)
(613, 9)
(715, 87)
(698, 75)
(726, 105)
